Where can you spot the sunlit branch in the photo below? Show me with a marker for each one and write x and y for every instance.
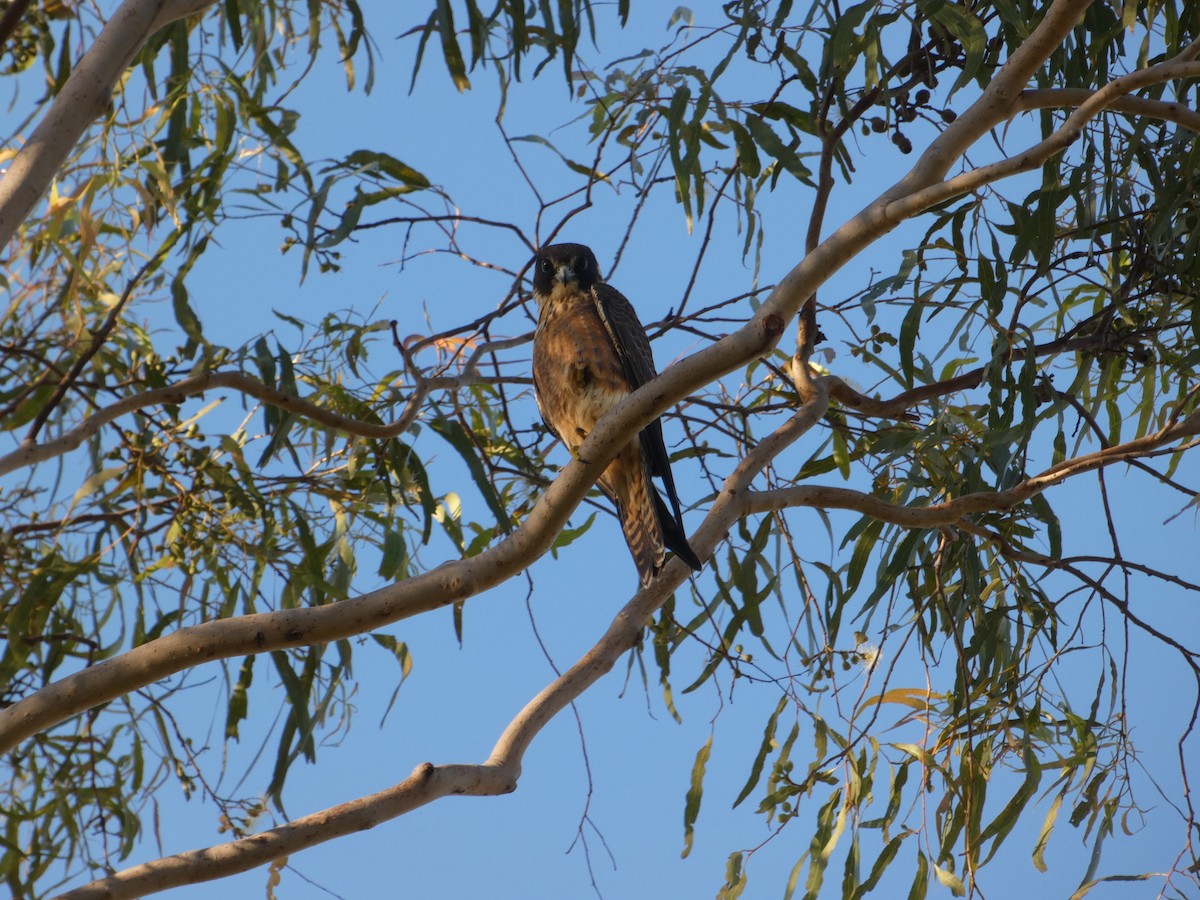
(1058, 98)
(81, 101)
(426, 784)
(907, 197)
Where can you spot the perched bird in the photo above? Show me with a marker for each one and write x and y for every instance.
(590, 352)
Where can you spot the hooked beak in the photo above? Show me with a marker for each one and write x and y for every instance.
(564, 274)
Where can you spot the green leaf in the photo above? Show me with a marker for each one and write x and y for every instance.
(881, 863)
(774, 147)
(920, 883)
(394, 559)
(735, 878)
(388, 166)
(239, 699)
(747, 152)
(1000, 827)
(768, 742)
(569, 535)
(682, 164)
(1043, 839)
(450, 48)
(455, 435)
(692, 805)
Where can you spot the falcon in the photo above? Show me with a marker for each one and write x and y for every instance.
(589, 353)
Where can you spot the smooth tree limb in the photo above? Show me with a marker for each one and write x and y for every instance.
(426, 784)
(82, 100)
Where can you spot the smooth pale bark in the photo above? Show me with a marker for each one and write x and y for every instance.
(83, 99)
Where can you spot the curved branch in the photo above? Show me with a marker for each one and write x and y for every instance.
(1057, 98)
(908, 197)
(426, 784)
(897, 407)
(81, 101)
(30, 453)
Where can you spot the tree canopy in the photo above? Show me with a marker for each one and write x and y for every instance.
(923, 284)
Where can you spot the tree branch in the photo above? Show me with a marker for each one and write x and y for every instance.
(30, 453)
(955, 511)
(81, 101)
(426, 784)
(1057, 98)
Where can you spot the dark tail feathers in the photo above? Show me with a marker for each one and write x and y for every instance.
(673, 534)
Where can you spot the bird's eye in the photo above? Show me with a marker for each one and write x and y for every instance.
(546, 265)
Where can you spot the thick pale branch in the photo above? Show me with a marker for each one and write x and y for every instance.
(82, 100)
(1056, 143)
(426, 784)
(1059, 98)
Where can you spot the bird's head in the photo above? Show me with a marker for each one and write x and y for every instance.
(570, 266)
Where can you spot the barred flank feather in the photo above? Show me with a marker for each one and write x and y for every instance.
(627, 484)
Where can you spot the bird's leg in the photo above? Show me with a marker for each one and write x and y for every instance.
(573, 449)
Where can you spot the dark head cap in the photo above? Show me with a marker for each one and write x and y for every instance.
(564, 263)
